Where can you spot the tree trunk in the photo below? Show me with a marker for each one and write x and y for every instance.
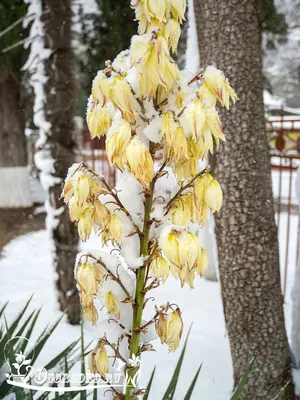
(60, 91)
(230, 37)
(14, 186)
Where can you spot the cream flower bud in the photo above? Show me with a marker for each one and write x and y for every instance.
(140, 162)
(170, 247)
(155, 9)
(82, 189)
(217, 83)
(178, 150)
(85, 225)
(196, 118)
(200, 186)
(122, 98)
(214, 196)
(189, 249)
(161, 327)
(202, 262)
(112, 305)
(160, 268)
(172, 32)
(102, 362)
(101, 214)
(101, 88)
(188, 278)
(178, 8)
(67, 192)
(116, 145)
(189, 168)
(174, 329)
(98, 121)
(92, 363)
(91, 313)
(75, 209)
(116, 228)
(181, 211)
(168, 127)
(87, 278)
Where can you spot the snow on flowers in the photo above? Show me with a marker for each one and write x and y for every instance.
(157, 120)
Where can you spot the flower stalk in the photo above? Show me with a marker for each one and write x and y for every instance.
(158, 122)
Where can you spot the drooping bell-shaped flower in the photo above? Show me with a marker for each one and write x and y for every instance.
(140, 162)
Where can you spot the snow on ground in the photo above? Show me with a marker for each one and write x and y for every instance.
(26, 269)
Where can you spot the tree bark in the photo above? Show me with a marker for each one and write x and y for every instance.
(229, 36)
(12, 117)
(60, 91)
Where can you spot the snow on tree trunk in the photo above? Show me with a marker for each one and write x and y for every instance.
(52, 62)
(296, 312)
(14, 185)
(230, 37)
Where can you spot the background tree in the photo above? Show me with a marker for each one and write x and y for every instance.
(53, 65)
(230, 37)
(13, 157)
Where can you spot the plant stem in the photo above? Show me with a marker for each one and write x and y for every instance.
(139, 292)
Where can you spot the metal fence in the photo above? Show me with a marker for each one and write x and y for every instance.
(284, 139)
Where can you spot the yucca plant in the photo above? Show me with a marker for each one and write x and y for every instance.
(158, 122)
(21, 330)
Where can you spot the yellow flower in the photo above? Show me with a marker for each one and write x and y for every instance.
(189, 249)
(196, 118)
(178, 8)
(161, 327)
(82, 189)
(91, 313)
(172, 33)
(140, 162)
(85, 225)
(101, 214)
(102, 362)
(174, 329)
(92, 363)
(67, 192)
(112, 305)
(75, 209)
(89, 278)
(168, 127)
(214, 196)
(116, 229)
(116, 145)
(202, 262)
(170, 247)
(123, 99)
(160, 268)
(188, 278)
(207, 96)
(154, 9)
(99, 121)
(219, 86)
(181, 210)
(178, 150)
(101, 88)
(185, 169)
(155, 67)
(200, 210)
(200, 187)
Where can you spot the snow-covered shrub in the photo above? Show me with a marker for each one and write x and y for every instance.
(158, 122)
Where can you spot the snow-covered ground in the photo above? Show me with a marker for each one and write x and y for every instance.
(26, 269)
